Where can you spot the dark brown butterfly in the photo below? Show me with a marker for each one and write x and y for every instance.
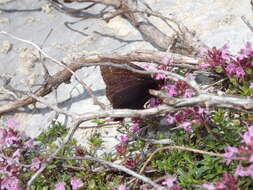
(126, 89)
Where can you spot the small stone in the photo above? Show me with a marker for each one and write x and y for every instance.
(5, 47)
(47, 8)
(4, 20)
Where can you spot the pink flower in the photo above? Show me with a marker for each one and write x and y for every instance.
(60, 186)
(251, 158)
(10, 183)
(123, 138)
(170, 119)
(11, 123)
(244, 171)
(36, 164)
(208, 186)
(189, 93)
(159, 76)
(171, 90)
(248, 49)
(225, 52)
(247, 137)
(135, 128)
(230, 153)
(202, 111)
(245, 53)
(3, 135)
(169, 182)
(228, 182)
(76, 183)
(10, 140)
(29, 143)
(153, 102)
(166, 60)
(187, 126)
(130, 163)
(251, 85)
(239, 72)
(16, 155)
(121, 149)
(122, 187)
(231, 68)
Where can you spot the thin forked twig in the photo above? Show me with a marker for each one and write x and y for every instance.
(95, 100)
(118, 167)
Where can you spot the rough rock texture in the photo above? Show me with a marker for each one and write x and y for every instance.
(215, 21)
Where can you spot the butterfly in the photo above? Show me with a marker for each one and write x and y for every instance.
(126, 89)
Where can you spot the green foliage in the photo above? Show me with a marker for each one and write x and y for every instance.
(56, 130)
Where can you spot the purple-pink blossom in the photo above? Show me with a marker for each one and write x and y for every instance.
(208, 186)
(135, 128)
(225, 52)
(171, 90)
(10, 183)
(248, 136)
(248, 49)
(29, 143)
(122, 187)
(170, 119)
(240, 73)
(251, 85)
(244, 171)
(11, 123)
(121, 149)
(153, 102)
(124, 138)
(230, 153)
(3, 136)
(35, 164)
(76, 183)
(60, 186)
(16, 155)
(245, 53)
(189, 93)
(166, 60)
(159, 76)
(231, 68)
(169, 182)
(187, 126)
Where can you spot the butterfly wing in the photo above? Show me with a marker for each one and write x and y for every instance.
(126, 89)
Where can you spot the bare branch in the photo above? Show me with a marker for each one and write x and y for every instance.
(68, 68)
(207, 100)
(184, 42)
(118, 167)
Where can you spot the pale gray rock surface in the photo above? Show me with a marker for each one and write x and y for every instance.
(215, 21)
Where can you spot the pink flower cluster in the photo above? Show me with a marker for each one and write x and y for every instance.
(232, 66)
(187, 117)
(179, 89)
(12, 147)
(76, 184)
(161, 76)
(170, 183)
(228, 182)
(244, 153)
